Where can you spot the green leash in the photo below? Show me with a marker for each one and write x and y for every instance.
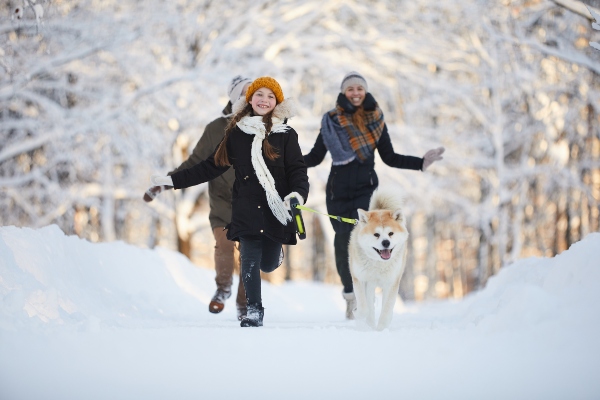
(341, 219)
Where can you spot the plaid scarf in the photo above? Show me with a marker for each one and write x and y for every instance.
(345, 141)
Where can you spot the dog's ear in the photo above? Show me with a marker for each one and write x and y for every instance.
(398, 215)
(362, 216)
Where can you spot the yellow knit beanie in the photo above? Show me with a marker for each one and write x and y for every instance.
(266, 82)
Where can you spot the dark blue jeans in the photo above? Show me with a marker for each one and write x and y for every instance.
(258, 253)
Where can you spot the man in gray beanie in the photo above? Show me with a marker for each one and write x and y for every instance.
(219, 192)
(237, 86)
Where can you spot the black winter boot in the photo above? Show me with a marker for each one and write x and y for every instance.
(254, 316)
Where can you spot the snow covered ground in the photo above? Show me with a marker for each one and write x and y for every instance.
(111, 321)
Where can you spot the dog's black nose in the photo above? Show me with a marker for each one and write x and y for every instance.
(385, 243)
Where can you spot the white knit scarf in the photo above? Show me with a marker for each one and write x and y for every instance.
(255, 126)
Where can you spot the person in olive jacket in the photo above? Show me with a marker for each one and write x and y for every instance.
(351, 132)
(219, 193)
(269, 171)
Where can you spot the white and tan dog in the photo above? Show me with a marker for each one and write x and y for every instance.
(378, 256)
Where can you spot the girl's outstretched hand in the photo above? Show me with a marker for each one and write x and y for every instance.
(431, 156)
(158, 188)
(154, 191)
(159, 180)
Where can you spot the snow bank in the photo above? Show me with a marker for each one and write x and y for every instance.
(48, 279)
(534, 291)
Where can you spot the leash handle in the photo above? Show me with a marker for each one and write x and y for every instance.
(297, 217)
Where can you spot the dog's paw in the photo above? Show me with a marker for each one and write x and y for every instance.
(359, 314)
(381, 327)
(361, 325)
(371, 322)
(384, 323)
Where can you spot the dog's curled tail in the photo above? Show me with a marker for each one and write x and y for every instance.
(386, 199)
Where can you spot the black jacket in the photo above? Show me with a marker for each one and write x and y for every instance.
(350, 186)
(251, 214)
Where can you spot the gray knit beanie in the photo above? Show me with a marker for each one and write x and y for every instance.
(236, 86)
(353, 78)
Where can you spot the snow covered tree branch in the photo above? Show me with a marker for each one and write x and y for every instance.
(98, 96)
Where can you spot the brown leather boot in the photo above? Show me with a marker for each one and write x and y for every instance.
(217, 304)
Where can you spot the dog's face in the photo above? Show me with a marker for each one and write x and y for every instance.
(380, 232)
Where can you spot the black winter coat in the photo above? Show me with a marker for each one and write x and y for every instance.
(350, 186)
(251, 214)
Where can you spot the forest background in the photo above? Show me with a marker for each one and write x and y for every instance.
(96, 96)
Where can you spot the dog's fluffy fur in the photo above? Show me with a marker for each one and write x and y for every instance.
(378, 255)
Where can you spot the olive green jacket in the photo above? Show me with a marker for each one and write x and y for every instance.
(219, 189)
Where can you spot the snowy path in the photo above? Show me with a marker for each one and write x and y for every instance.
(111, 321)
